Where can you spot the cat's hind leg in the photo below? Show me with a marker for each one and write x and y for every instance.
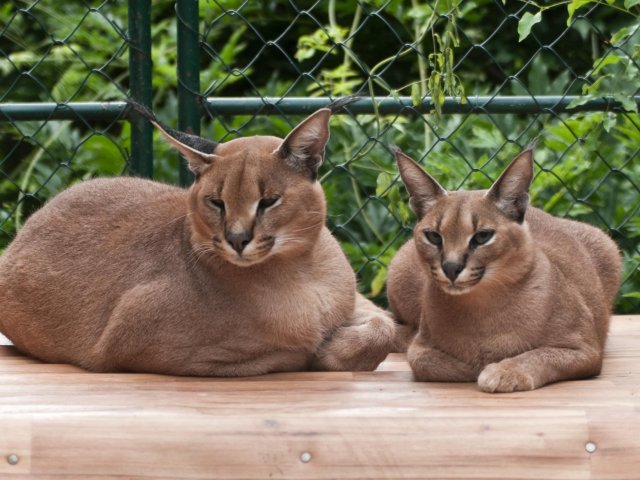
(361, 344)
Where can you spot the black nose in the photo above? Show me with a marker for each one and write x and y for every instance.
(452, 269)
(238, 240)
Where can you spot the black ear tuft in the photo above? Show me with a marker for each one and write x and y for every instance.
(142, 110)
(197, 143)
(343, 102)
(198, 151)
(200, 144)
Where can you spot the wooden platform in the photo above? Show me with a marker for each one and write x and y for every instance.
(61, 422)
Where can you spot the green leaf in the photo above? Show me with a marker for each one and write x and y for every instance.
(379, 281)
(383, 182)
(321, 40)
(631, 3)
(610, 121)
(621, 34)
(420, 12)
(416, 97)
(573, 6)
(595, 87)
(632, 295)
(526, 22)
(610, 60)
(628, 103)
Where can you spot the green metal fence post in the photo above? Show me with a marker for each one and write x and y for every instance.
(140, 85)
(188, 74)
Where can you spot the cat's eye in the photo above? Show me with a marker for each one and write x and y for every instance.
(433, 238)
(481, 237)
(267, 202)
(215, 203)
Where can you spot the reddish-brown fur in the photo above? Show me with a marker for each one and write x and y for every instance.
(129, 274)
(530, 307)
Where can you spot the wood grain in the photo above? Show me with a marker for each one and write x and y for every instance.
(63, 422)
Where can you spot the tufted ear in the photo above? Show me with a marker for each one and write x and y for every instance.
(197, 151)
(510, 192)
(423, 189)
(303, 148)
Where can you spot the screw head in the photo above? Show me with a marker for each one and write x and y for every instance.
(13, 459)
(305, 457)
(590, 447)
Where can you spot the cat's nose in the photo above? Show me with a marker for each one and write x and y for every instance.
(452, 270)
(238, 241)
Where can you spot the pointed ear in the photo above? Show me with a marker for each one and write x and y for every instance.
(303, 148)
(423, 190)
(197, 151)
(511, 191)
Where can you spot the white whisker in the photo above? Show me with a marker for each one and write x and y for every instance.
(287, 239)
(198, 252)
(307, 228)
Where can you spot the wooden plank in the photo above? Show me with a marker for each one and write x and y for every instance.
(625, 325)
(348, 446)
(64, 422)
(616, 434)
(15, 440)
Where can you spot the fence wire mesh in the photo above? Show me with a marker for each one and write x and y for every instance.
(260, 64)
(49, 54)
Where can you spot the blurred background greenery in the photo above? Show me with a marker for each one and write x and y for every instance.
(587, 163)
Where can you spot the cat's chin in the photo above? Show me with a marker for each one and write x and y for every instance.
(453, 290)
(457, 289)
(244, 261)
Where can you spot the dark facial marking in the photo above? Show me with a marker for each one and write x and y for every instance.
(438, 223)
(474, 221)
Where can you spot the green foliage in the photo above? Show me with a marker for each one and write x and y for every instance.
(616, 74)
(435, 70)
(526, 23)
(587, 163)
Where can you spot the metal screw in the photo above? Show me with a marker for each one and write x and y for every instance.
(13, 459)
(590, 447)
(305, 457)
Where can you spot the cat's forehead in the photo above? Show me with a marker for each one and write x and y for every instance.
(247, 167)
(460, 210)
(246, 177)
(255, 146)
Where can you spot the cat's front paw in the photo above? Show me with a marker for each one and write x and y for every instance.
(358, 347)
(503, 377)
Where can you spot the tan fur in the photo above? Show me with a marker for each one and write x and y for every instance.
(127, 274)
(540, 311)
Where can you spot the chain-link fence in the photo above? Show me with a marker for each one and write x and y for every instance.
(566, 73)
